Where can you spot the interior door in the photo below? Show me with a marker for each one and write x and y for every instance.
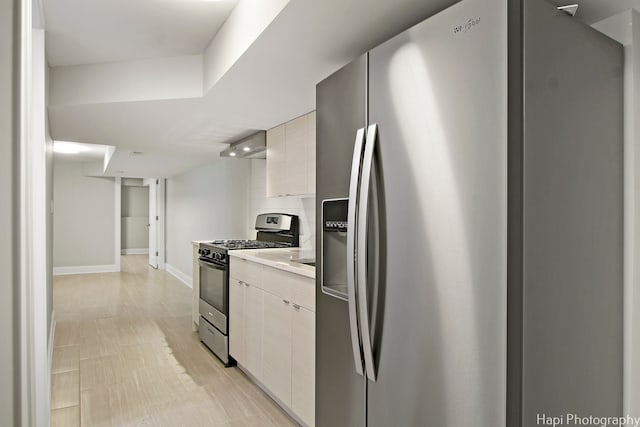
(438, 93)
(153, 223)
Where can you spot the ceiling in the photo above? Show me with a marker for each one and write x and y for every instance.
(80, 152)
(88, 32)
(271, 82)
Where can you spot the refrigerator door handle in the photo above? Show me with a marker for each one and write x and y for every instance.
(352, 211)
(361, 257)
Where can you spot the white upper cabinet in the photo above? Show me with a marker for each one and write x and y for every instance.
(276, 161)
(291, 157)
(311, 155)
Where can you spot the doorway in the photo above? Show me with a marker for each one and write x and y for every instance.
(134, 217)
(142, 219)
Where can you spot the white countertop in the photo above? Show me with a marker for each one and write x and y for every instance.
(279, 258)
(197, 242)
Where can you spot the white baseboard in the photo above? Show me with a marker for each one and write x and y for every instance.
(179, 275)
(86, 269)
(141, 251)
(52, 334)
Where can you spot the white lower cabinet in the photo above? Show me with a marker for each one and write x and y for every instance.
(303, 363)
(236, 320)
(245, 325)
(276, 359)
(253, 331)
(272, 332)
(196, 287)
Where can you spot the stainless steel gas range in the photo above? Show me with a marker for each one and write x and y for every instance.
(274, 231)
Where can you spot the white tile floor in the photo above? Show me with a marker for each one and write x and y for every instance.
(125, 355)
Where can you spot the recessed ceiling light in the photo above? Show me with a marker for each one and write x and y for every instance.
(247, 148)
(232, 154)
(65, 147)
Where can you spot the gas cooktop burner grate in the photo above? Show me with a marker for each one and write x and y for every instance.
(247, 244)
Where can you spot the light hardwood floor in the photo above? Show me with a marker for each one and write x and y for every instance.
(124, 355)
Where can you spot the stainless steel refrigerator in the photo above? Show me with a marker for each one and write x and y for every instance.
(469, 197)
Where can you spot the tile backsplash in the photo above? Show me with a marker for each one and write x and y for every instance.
(303, 207)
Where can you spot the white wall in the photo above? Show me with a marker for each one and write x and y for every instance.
(49, 222)
(206, 203)
(84, 220)
(39, 304)
(9, 220)
(135, 217)
(259, 203)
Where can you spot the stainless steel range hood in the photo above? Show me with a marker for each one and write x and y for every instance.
(251, 147)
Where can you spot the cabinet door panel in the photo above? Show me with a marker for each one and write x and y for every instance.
(303, 364)
(276, 161)
(277, 347)
(297, 138)
(311, 154)
(236, 320)
(278, 282)
(253, 318)
(303, 291)
(246, 271)
(196, 287)
(291, 154)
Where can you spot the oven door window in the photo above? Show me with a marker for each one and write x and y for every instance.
(213, 289)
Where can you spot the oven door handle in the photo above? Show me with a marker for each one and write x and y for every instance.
(212, 264)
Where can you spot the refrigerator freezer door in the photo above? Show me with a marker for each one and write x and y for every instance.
(438, 93)
(340, 112)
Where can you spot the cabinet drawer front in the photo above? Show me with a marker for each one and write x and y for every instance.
(278, 282)
(294, 287)
(246, 271)
(304, 292)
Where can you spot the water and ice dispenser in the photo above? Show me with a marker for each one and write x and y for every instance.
(334, 247)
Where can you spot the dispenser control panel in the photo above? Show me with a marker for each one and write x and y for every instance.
(334, 214)
(333, 260)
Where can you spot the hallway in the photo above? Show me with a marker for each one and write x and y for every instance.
(125, 355)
